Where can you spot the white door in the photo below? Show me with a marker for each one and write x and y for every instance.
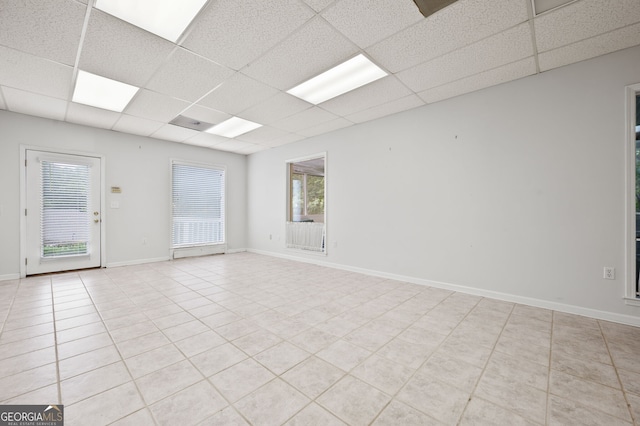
(63, 212)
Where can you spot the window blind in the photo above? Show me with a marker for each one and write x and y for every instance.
(198, 205)
(65, 210)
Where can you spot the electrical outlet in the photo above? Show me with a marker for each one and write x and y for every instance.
(609, 273)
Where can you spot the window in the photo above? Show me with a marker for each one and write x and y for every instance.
(306, 204)
(198, 205)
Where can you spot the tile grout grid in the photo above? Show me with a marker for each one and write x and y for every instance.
(250, 339)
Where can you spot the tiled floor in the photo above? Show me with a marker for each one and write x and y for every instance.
(244, 338)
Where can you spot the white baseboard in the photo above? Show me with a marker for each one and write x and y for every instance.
(136, 262)
(239, 250)
(538, 303)
(8, 277)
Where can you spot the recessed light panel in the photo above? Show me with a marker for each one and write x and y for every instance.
(102, 92)
(542, 6)
(235, 126)
(347, 76)
(166, 18)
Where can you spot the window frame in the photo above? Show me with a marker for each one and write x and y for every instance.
(219, 246)
(288, 206)
(630, 296)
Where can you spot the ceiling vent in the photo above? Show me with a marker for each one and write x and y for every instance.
(191, 123)
(429, 7)
(542, 6)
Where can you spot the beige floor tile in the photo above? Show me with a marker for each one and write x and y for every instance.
(465, 351)
(241, 379)
(257, 341)
(27, 361)
(354, 401)
(27, 381)
(169, 380)
(80, 332)
(133, 331)
(46, 395)
(592, 371)
(237, 329)
(481, 412)
(384, 374)
(397, 413)
(313, 340)
(344, 355)
(153, 360)
(407, 353)
(272, 404)
(596, 396)
(315, 415)
(142, 344)
(454, 372)
(25, 333)
(313, 376)
(527, 351)
(217, 359)
(139, 418)
(436, 399)
(281, 357)
(189, 406)
(368, 337)
(83, 345)
(10, 350)
(219, 319)
(630, 381)
(199, 343)
(512, 394)
(173, 320)
(106, 407)
(519, 371)
(88, 384)
(62, 325)
(566, 412)
(226, 417)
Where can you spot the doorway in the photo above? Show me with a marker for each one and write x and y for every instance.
(63, 212)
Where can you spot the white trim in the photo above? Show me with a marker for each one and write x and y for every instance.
(23, 200)
(323, 155)
(239, 250)
(538, 303)
(136, 262)
(630, 192)
(9, 277)
(632, 301)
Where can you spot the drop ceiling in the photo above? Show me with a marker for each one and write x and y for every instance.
(239, 57)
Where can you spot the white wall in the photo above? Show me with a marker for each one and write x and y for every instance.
(517, 189)
(139, 165)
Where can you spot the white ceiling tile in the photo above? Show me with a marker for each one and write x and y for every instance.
(206, 139)
(290, 138)
(310, 51)
(252, 149)
(205, 114)
(120, 51)
(368, 22)
(402, 104)
(263, 134)
(590, 48)
(238, 93)
(233, 145)
(456, 26)
(155, 106)
(33, 104)
(492, 52)
(34, 74)
(47, 28)
(318, 5)
(379, 92)
(489, 78)
(188, 76)
(583, 19)
(235, 32)
(305, 119)
(90, 116)
(136, 125)
(169, 132)
(329, 126)
(275, 108)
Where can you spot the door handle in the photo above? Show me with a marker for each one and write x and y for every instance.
(96, 220)
(96, 213)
